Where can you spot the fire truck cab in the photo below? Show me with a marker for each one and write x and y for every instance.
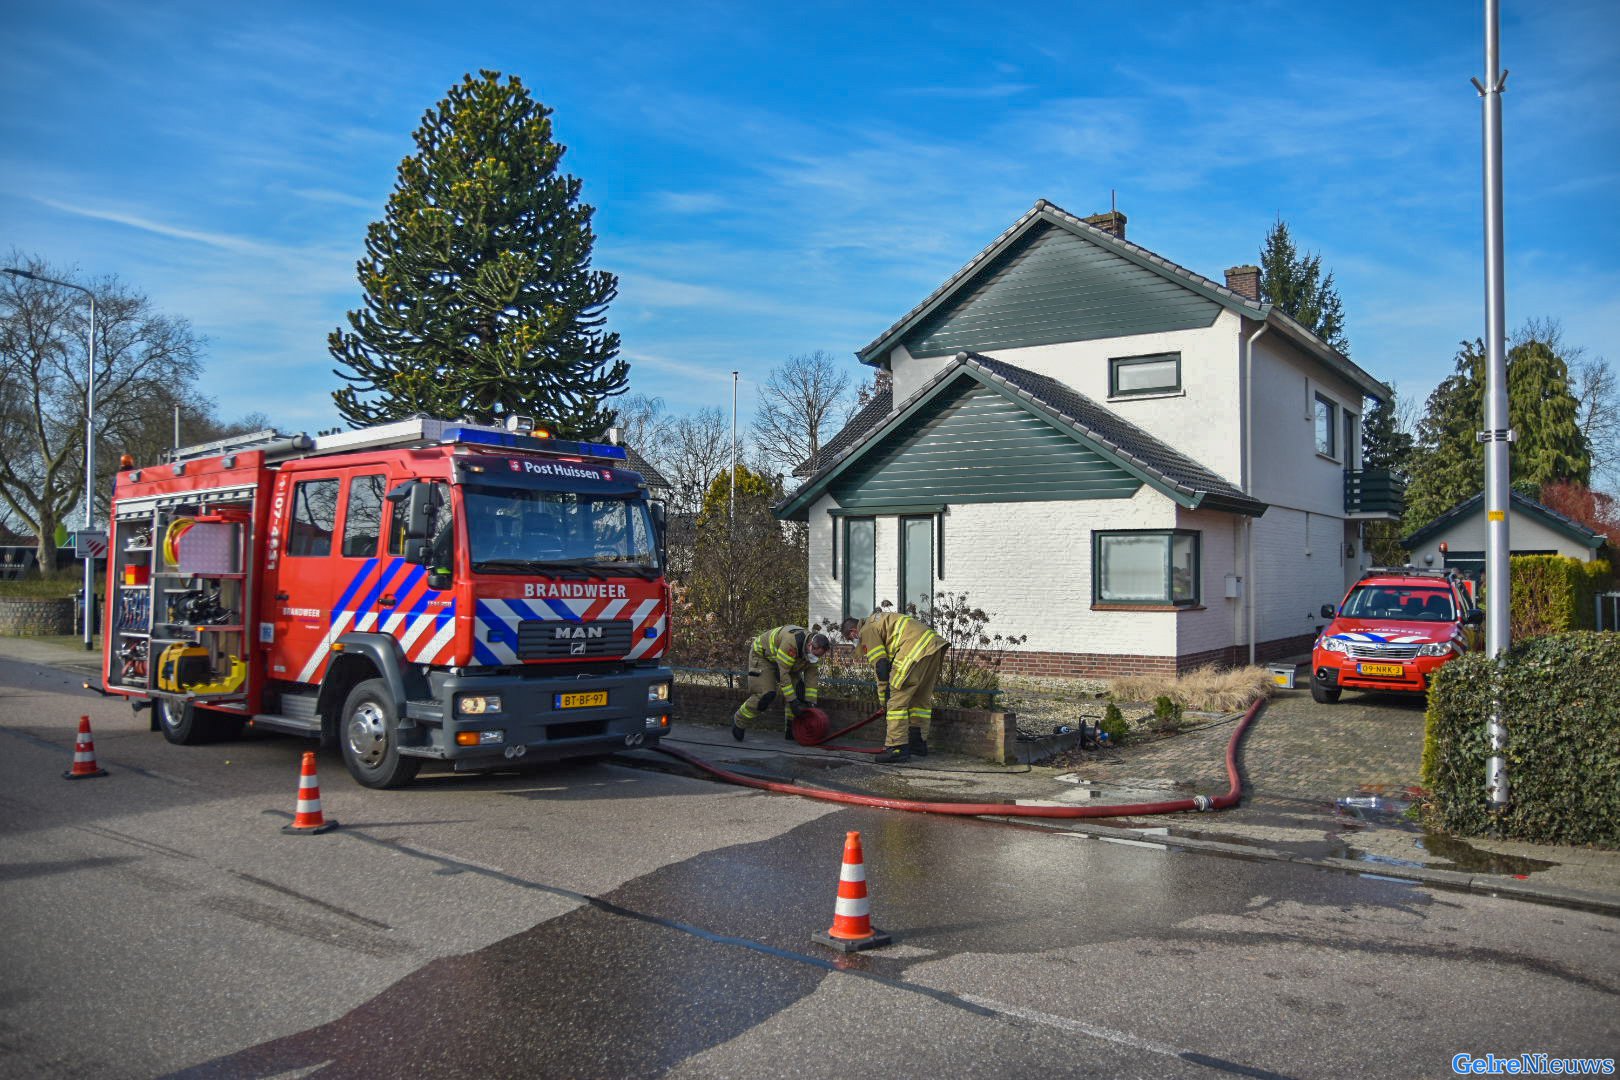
(416, 591)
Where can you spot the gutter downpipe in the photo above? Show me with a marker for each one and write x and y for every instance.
(1248, 482)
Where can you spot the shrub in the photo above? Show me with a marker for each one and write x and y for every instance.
(1553, 594)
(1166, 713)
(1563, 740)
(38, 588)
(1206, 689)
(1113, 723)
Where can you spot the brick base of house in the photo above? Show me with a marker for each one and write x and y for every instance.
(1113, 665)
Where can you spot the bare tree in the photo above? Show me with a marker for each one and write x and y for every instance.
(699, 449)
(645, 427)
(44, 341)
(1599, 418)
(800, 405)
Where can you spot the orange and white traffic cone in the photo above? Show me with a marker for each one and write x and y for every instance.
(84, 755)
(308, 818)
(852, 920)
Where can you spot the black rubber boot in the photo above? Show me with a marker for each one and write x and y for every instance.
(893, 755)
(737, 731)
(916, 743)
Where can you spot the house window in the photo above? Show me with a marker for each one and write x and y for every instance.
(1145, 568)
(860, 567)
(1129, 376)
(917, 564)
(1326, 434)
(314, 513)
(1351, 423)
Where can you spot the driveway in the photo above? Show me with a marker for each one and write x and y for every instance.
(1296, 750)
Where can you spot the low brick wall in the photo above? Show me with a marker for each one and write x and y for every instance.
(975, 732)
(20, 617)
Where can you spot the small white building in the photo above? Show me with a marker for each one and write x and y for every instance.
(1456, 538)
(1138, 468)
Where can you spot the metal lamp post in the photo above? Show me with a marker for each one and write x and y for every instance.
(89, 448)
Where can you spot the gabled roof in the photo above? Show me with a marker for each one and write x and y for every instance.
(1522, 504)
(652, 476)
(1045, 213)
(1144, 456)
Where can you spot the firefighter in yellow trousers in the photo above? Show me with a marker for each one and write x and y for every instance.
(784, 658)
(907, 656)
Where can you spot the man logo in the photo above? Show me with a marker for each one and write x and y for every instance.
(577, 649)
(576, 633)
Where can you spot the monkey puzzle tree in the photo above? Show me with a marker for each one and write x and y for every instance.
(479, 293)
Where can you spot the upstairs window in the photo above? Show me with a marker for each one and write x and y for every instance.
(1326, 427)
(1130, 376)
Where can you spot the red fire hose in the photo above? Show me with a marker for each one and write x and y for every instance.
(1171, 806)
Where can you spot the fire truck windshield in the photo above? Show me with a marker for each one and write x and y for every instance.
(517, 531)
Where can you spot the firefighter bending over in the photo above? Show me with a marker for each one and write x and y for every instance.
(784, 658)
(907, 656)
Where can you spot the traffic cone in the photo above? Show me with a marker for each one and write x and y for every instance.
(84, 755)
(308, 818)
(852, 921)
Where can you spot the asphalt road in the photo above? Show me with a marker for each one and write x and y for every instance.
(606, 921)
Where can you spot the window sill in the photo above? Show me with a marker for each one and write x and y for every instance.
(1328, 457)
(1150, 396)
(1147, 607)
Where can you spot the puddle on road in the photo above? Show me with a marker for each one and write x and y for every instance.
(1465, 856)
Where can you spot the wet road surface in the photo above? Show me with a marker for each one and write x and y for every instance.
(603, 921)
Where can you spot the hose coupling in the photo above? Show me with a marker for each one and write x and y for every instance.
(1203, 802)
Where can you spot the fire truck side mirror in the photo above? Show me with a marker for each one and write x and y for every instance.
(414, 494)
(1328, 611)
(658, 529)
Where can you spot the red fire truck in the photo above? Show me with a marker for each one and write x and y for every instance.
(417, 591)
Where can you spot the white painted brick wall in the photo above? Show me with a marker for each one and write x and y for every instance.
(1289, 585)
(1220, 623)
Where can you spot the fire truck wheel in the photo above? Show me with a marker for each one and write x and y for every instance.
(180, 722)
(370, 738)
(1322, 695)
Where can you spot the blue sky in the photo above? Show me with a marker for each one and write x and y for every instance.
(772, 179)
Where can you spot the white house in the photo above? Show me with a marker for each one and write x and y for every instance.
(1457, 537)
(1137, 467)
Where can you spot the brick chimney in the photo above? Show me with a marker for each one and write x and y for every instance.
(1244, 280)
(1111, 222)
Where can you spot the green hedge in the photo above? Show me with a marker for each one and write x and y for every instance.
(1563, 740)
(1553, 594)
(37, 588)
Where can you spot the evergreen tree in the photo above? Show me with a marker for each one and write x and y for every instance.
(1385, 445)
(1294, 284)
(479, 296)
(1448, 465)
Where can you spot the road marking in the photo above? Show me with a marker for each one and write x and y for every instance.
(1064, 1023)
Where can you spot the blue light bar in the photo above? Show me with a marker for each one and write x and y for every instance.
(513, 441)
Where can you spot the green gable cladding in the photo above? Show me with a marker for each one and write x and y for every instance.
(972, 444)
(1052, 286)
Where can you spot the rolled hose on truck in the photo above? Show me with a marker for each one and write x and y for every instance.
(962, 809)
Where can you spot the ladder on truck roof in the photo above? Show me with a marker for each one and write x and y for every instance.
(414, 433)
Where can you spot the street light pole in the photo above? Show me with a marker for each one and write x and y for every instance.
(89, 449)
(1497, 434)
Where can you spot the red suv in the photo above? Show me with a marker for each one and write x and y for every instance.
(1393, 630)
